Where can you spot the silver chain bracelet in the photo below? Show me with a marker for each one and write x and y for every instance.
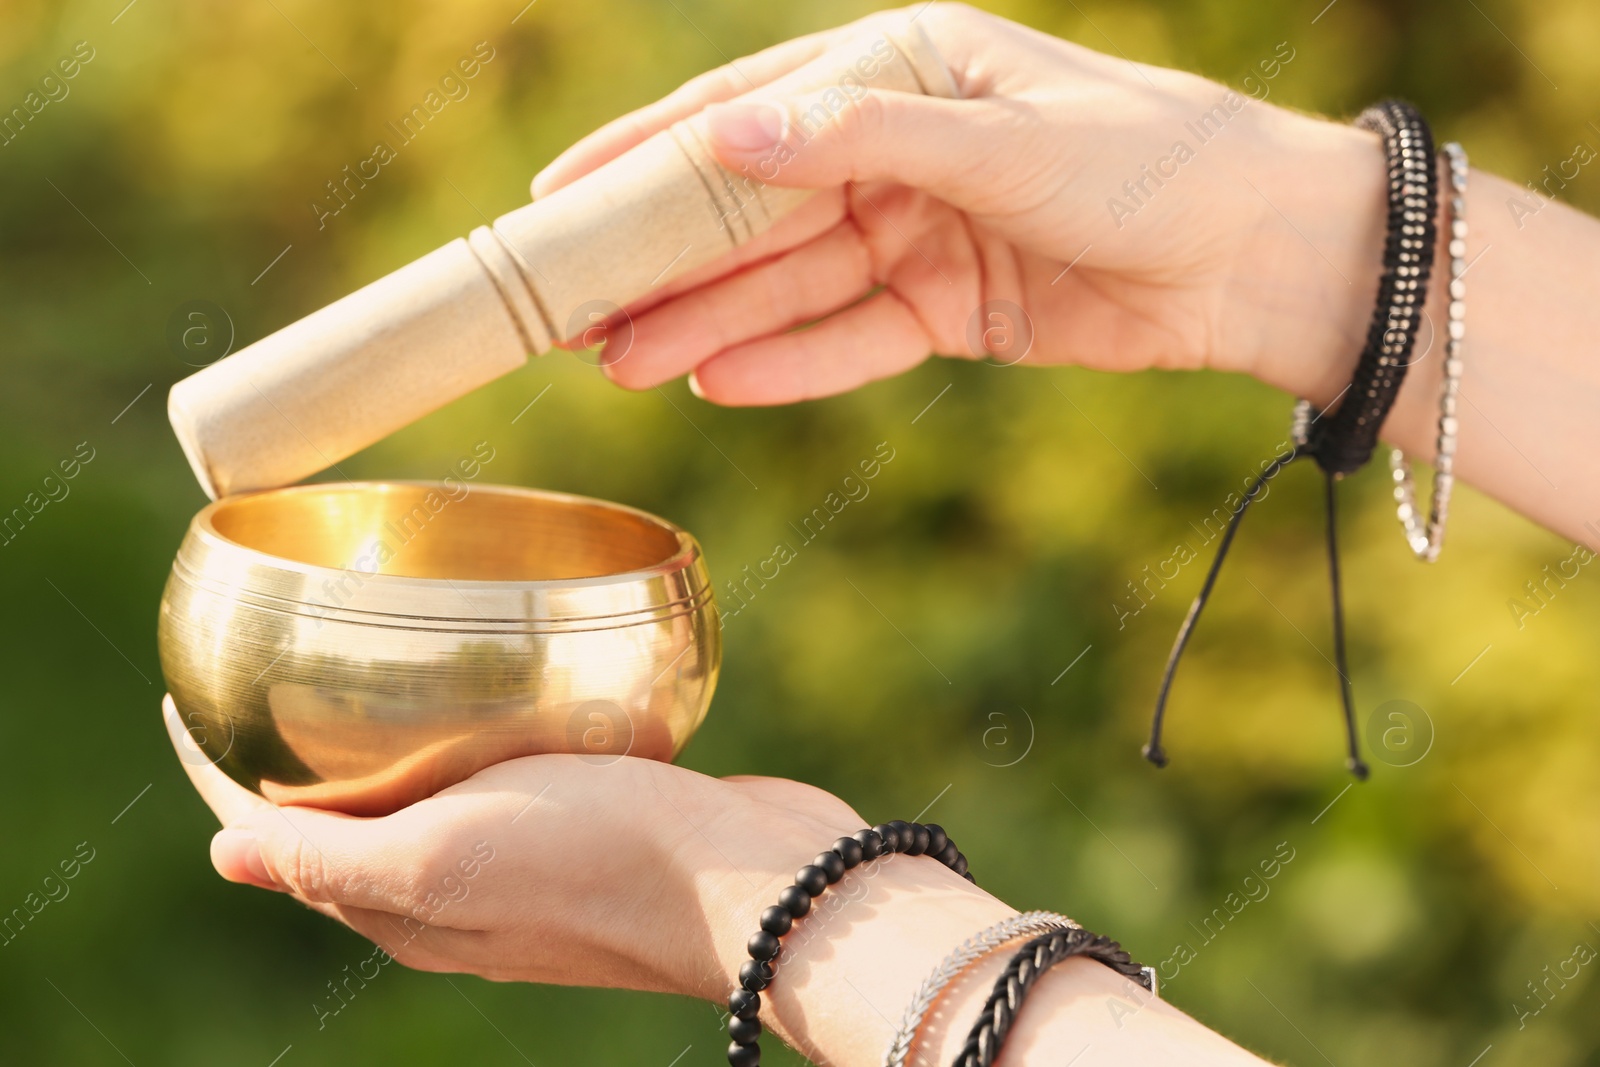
(1426, 538)
(974, 948)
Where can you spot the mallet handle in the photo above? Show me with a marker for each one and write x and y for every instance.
(300, 400)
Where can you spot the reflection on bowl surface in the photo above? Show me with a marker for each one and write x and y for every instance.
(359, 646)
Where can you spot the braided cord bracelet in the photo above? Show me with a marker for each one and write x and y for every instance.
(1427, 538)
(1343, 442)
(974, 948)
(989, 1033)
(811, 881)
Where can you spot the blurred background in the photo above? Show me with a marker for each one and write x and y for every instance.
(977, 669)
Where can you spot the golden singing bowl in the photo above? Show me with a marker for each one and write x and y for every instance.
(360, 646)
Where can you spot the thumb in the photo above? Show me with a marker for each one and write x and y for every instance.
(236, 854)
(827, 139)
(325, 858)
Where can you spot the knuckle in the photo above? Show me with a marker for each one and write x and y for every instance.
(415, 897)
(860, 122)
(710, 311)
(425, 889)
(953, 13)
(306, 872)
(869, 115)
(946, 21)
(718, 84)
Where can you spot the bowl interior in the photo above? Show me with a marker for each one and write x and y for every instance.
(469, 533)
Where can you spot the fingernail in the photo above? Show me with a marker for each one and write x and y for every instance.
(694, 386)
(237, 856)
(745, 127)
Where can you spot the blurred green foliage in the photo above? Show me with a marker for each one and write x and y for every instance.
(1417, 907)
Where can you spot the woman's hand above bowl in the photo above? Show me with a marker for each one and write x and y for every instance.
(1135, 217)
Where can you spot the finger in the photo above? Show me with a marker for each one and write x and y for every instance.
(326, 858)
(724, 83)
(876, 339)
(417, 941)
(229, 800)
(949, 148)
(816, 216)
(236, 855)
(438, 949)
(408, 941)
(807, 283)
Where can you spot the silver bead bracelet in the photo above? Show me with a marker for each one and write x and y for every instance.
(1427, 538)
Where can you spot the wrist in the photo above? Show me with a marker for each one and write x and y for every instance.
(728, 852)
(850, 966)
(1301, 302)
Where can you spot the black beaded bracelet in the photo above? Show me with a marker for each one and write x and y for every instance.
(988, 1034)
(810, 882)
(1342, 442)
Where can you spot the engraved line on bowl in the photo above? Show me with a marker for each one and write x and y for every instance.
(207, 579)
(507, 629)
(659, 612)
(486, 588)
(282, 606)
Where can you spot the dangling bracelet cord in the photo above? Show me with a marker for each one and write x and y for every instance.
(1343, 442)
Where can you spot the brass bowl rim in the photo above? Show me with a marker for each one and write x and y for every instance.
(203, 528)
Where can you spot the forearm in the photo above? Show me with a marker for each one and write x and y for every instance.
(849, 969)
(1530, 392)
(1528, 433)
